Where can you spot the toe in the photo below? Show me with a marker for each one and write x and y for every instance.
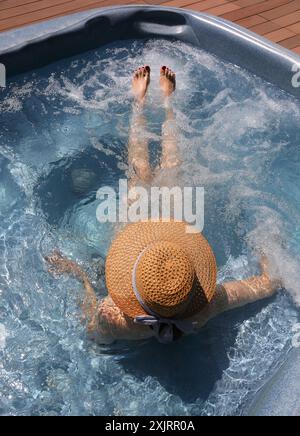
(142, 72)
(163, 70)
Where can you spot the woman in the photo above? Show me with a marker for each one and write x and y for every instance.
(162, 280)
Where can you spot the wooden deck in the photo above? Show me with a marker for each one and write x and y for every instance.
(278, 20)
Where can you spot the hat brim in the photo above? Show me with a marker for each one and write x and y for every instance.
(133, 240)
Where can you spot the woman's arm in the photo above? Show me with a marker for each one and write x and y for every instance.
(253, 289)
(105, 322)
(61, 265)
(236, 294)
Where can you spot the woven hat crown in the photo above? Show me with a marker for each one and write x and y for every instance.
(164, 278)
(171, 268)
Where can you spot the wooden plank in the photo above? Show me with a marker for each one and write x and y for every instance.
(264, 28)
(223, 9)
(156, 2)
(279, 35)
(179, 3)
(297, 49)
(287, 20)
(254, 9)
(204, 4)
(32, 7)
(53, 12)
(251, 21)
(245, 3)
(282, 10)
(294, 27)
(7, 4)
(291, 42)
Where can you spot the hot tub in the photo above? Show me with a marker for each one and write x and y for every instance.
(64, 126)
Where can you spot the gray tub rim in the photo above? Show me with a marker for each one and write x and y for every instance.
(37, 45)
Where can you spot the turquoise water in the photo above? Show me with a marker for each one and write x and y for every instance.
(63, 135)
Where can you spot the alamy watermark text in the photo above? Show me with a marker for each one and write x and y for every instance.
(156, 203)
(296, 76)
(2, 76)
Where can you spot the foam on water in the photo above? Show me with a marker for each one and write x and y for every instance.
(63, 135)
(3, 336)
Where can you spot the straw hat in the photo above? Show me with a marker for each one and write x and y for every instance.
(158, 267)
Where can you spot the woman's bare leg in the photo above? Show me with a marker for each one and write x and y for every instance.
(138, 151)
(170, 152)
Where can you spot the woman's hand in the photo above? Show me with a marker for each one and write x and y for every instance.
(59, 265)
(271, 283)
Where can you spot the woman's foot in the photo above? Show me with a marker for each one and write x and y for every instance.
(167, 81)
(140, 83)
